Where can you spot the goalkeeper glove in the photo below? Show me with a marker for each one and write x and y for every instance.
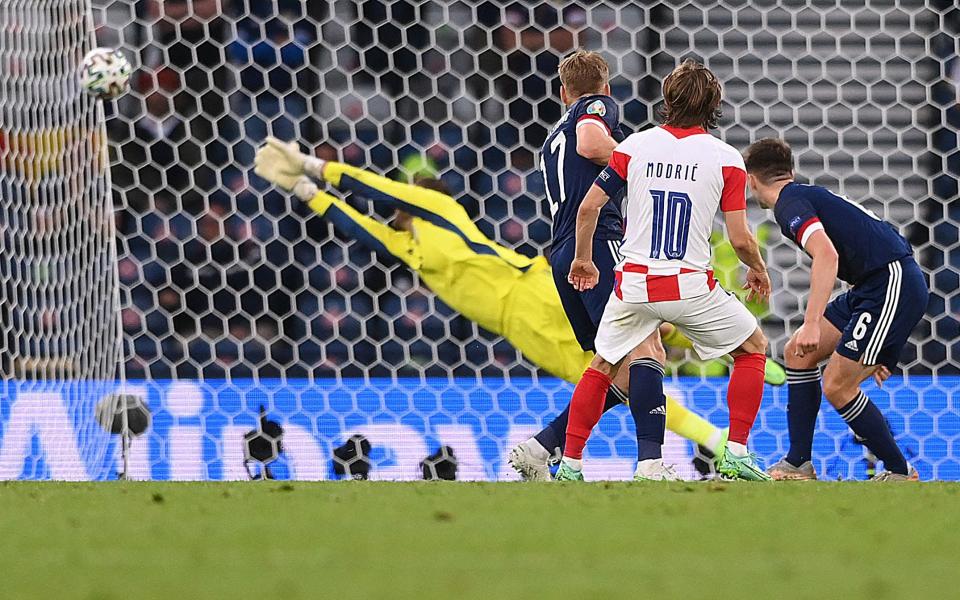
(283, 164)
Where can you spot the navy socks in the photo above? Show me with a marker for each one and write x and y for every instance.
(803, 404)
(648, 406)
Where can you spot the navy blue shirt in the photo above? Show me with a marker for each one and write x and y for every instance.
(864, 242)
(567, 176)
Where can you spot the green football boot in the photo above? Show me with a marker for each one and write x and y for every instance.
(566, 473)
(743, 468)
(774, 373)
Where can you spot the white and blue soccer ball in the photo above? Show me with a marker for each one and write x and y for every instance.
(105, 73)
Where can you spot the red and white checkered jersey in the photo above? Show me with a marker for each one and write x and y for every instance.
(676, 179)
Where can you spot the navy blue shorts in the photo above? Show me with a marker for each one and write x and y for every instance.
(584, 309)
(878, 314)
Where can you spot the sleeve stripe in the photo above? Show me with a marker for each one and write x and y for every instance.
(596, 122)
(734, 195)
(592, 118)
(809, 228)
(619, 162)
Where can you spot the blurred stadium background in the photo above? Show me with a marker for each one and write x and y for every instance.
(226, 285)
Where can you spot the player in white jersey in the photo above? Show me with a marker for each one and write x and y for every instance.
(677, 177)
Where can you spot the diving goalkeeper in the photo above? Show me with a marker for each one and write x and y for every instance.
(502, 291)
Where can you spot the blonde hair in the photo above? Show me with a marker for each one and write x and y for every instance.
(583, 72)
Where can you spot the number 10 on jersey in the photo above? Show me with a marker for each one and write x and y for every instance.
(671, 224)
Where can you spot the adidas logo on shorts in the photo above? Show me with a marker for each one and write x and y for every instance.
(852, 345)
(659, 410)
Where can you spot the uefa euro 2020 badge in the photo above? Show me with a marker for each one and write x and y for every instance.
(597, 108)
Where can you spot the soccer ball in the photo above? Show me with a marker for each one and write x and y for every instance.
(105, 72)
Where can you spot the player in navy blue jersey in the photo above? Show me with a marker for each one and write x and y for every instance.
(573, 155)
(862, 331)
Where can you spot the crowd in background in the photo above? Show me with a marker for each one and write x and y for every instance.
(223, 276)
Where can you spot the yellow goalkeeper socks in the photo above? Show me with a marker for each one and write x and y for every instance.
(675, 339)
(685, 423)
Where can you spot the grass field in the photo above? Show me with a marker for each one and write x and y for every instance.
(456, 540)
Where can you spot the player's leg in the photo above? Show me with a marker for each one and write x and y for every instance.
(672, 337)
(717, 324)
(745, 390)
(647, 402)
(586, 310)
(804, 395)
(886, 308)
(623, 327)
(648, 407)
(585, 410)
(531, 457)
(841, 386)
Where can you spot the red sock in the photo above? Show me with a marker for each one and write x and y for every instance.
(586, 407)
(744, 394)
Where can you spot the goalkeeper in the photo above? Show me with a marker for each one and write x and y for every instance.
(502, 291)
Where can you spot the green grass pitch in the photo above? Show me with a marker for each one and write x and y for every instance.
(490, 541)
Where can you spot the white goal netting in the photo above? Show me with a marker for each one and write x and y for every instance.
(223, 277)
(59, 298)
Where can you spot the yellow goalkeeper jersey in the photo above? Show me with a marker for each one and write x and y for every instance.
(501, 290)
(504, 292)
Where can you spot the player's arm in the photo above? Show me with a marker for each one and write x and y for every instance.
(823, 275)
(583, 273)
(748, 251)
(594, 141)
(276, 167)
(733, 203)
(285, 163)
(382, 239)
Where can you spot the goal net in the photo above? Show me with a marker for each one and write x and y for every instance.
(59, 299)
(243, 297)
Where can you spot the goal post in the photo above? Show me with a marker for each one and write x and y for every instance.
(59, 296)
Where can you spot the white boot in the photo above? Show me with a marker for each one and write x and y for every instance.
(654, 470)
(531, 460)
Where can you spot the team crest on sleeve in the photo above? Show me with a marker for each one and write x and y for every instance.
(597, 108)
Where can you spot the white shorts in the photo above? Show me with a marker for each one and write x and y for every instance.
(716, 323)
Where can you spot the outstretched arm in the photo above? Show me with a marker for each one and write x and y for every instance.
(285, 162)
(385, 241)
(380, 238)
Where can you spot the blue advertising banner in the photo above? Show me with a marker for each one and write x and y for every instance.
(49, 431)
